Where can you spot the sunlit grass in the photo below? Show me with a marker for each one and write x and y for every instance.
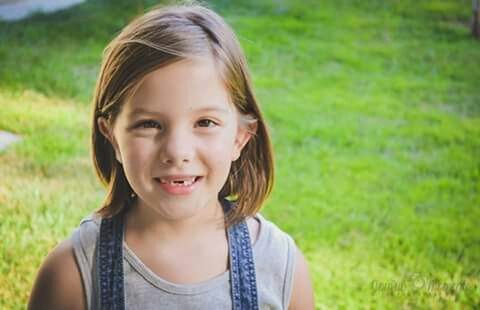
(374, 111)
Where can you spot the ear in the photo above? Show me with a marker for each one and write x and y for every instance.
(107, 131)
(244, 134)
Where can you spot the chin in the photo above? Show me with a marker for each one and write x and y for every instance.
(175, 210)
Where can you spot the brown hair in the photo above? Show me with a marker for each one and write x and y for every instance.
(159, 37)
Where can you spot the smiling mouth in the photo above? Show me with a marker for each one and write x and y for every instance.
(180, 182)
(179, 185)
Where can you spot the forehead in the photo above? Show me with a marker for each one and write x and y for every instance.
(188, 83)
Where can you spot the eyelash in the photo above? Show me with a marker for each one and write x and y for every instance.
(208, 120)
(145, 124)
(148, 122)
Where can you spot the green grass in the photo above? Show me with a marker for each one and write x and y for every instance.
(375, 114)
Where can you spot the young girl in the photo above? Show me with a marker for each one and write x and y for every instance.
(180, 143)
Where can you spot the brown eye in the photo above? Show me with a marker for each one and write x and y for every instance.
(206, 123)
(149, 124)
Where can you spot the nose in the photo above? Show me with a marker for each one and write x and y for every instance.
(177, 148)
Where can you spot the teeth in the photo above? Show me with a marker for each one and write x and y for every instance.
(185, 182)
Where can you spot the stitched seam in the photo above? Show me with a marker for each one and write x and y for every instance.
(291, 259)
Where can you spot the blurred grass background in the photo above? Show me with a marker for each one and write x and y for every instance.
(375, 114)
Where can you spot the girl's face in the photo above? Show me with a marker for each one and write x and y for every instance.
(177, 137)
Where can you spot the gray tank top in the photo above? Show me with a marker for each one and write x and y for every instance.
(273, 252)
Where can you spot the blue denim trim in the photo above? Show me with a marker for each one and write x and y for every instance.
(110, 264)
(242, 268)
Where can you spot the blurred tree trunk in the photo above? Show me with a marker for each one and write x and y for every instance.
(475, 22)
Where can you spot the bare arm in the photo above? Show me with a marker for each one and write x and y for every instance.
(302, 291)
(58, 284)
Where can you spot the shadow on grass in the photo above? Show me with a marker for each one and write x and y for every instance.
(59, 54)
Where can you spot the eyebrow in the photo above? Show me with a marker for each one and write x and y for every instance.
(137, 111)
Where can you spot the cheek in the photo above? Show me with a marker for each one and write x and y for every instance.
(221, 148)
(218, 157)
(136, 152)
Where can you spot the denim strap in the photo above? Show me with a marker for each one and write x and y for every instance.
(242, 268)
(110, 264)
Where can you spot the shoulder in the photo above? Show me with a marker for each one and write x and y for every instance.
(281, 253)
(302, 291)
(274, 255)
(85, 236)
(261, 229)
(58, 284)
(253, 225)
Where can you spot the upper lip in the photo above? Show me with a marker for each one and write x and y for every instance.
(174, 177)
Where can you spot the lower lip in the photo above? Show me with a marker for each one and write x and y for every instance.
(180, 189)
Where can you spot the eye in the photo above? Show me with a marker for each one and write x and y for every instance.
(206, 123)
(148, 124)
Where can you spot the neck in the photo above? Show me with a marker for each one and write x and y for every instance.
(145, 221)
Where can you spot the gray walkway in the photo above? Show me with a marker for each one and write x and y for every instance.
(17, 9)
(7, 138)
